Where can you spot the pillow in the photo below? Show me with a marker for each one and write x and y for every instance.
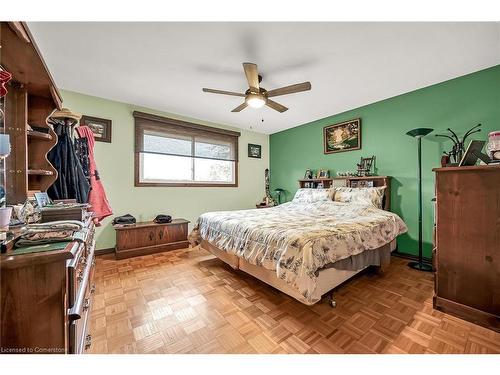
(311, 195)
(371, 195)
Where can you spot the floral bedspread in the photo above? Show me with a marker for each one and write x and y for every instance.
(297, 239)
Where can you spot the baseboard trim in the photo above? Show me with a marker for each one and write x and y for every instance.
(410, 257)
(104, 251)
(468, 313)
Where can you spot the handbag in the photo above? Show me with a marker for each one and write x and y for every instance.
(162, 219)
(123, 220)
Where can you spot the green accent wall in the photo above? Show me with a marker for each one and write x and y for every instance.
(459, 104)
(115, 162)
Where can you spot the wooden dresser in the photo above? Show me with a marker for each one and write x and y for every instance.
(46, 298)
(467, 253)
(149, 237)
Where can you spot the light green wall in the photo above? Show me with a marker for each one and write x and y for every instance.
(458, 104)
(115, 163)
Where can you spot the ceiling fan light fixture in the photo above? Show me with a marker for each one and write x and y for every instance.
(255, 100)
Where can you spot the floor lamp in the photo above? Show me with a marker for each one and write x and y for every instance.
(419, 133)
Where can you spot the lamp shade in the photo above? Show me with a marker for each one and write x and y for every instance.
(419, 132)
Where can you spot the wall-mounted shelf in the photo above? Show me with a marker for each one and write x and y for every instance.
(33, 134)
(40, 172)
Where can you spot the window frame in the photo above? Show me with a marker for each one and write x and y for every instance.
(146, 121)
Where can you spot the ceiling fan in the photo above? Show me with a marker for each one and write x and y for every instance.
(256, 96)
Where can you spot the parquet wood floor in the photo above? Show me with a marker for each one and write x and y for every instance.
(187, 301)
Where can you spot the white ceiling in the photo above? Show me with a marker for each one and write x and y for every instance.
(164, 65)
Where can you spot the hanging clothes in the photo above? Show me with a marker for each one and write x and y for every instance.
(71, 182)
(97, 197)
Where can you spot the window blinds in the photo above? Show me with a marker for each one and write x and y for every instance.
(159, 135)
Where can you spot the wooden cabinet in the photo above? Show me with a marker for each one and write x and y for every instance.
(46, 298)
(149, 237)
(32, 97)
(467, 252)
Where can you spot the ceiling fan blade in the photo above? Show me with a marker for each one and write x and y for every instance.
(241, 107)
(298, 87)
(276, 106)
(213, 91)
(252, 76)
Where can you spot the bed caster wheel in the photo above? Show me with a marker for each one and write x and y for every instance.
(332, 303)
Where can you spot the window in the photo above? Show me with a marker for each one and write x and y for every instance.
(177, 153)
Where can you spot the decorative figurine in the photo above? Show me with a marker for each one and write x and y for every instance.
(365, 167)
(457, 151)
(268, 200)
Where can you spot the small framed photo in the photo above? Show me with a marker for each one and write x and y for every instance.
(42, 199)
(99, 126)
(323, 173)
(254, 151)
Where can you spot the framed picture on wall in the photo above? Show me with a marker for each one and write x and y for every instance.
(99, 126)
(254, 151)
(344, 136)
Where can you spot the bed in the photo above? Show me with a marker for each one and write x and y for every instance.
(306, 247)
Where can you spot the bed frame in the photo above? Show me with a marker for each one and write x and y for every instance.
(331, 277)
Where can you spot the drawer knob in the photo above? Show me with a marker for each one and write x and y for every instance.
(86, 304)
(92, 289)
(88, 341)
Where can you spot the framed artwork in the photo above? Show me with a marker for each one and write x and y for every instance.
(99, 126)
(344, 136)
(254, 151)
(323, 173)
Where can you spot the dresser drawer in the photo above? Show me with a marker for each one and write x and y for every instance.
(78, 316)
(79, 272)
(83, 286)
(79, 339)
(76, 270)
